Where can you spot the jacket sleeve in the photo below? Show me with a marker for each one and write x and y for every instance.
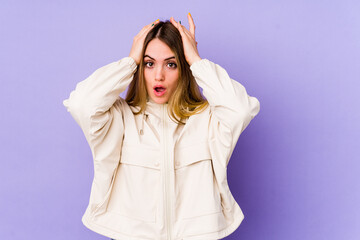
(231, 108)
(96, 107)
(93, 97)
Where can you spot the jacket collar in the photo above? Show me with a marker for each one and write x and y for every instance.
(152, 108)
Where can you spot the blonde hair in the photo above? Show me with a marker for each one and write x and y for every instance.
(187, 99)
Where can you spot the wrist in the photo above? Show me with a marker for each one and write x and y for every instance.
(136, 61)
(195, 59)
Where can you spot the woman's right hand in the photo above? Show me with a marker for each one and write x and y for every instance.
(138, 42)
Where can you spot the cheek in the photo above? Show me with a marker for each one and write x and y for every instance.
(173, 83)
(174, 78)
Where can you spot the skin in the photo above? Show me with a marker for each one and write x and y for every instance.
(161, 71)
(160, 68)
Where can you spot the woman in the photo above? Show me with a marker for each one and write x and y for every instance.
(161, 154)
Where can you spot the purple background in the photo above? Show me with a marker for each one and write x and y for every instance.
(295, 170)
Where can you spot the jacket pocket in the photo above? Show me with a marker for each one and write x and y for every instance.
(196, 190)
(137, 185)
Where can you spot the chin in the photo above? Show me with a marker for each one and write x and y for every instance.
(160, 101)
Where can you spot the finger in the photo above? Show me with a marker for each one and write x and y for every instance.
(180, 28)
(155, 22)
(175, 23)
(148, 27)
(183, 28)
(191, 25)
(172, 20)
(151, 25)
(187, 32)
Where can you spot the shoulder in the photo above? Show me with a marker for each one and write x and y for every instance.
(124, 107)
(203, 115)
(121, 105)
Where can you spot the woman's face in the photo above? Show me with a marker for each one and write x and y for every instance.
(160, 71)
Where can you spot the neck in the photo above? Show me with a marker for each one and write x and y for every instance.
(149, 99)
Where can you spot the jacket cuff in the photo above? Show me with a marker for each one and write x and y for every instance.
(131, 62)
(198, 62)
(202, 68)
(214, 82)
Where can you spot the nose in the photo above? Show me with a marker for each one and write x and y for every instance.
(159, 73)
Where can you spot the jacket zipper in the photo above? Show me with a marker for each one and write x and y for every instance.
(166, 169)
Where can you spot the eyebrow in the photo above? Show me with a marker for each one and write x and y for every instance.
(164, 59)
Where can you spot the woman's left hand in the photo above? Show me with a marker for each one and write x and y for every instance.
(188, 38)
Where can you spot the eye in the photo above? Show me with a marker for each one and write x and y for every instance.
(148, 64)
(172, 65)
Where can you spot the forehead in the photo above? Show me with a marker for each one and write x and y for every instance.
(158, 50)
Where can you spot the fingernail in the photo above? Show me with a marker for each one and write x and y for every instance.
(180, 22)
(189, 14)
(157, 20)
(152, 25)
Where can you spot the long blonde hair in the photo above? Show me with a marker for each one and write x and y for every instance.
(187, 99)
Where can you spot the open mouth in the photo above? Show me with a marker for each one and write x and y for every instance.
(159, 91)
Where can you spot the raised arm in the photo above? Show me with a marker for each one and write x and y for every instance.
(232, 108)
(96, 106)
(92, 98)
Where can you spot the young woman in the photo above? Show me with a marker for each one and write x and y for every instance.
(161, 154)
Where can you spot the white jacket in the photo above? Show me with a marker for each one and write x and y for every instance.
(170, 182)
